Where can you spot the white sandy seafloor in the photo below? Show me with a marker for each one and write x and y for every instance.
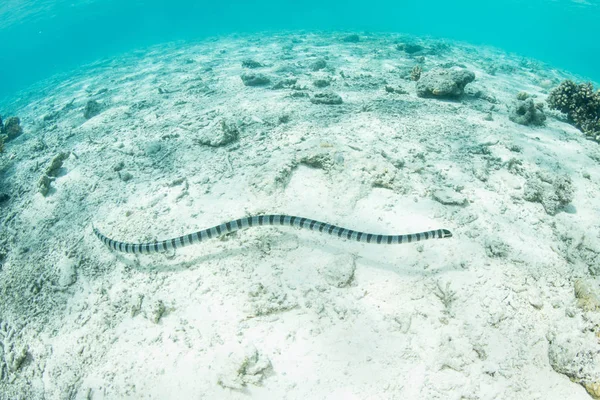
(283, 313)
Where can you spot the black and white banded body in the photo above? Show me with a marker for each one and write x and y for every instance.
(268, 220)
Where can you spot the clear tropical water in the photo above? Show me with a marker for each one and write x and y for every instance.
(138, 121)
(41, 37)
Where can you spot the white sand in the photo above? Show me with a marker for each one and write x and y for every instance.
(276, 313)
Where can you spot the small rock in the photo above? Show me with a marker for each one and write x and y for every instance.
(50, 116)
(118, 166)
(136, 305)
(67, 272)
(354, 38)
(481, 171)
(588, 295)
(157, 311)
(249, 368)
(444, 83)
(340, 271)
(318, 65)
(176, 182)
(593, 388)
(298, 94)
(265, 301)
(321, 83)
(552, 193)
(575, 355)
(480, 93)
(92, 108)
(536, 301)
(15, 357)
(496, 248)
(515, 148)
(219, 134)
(449, 198)
(152, 148)
(125, 176)
(326, 98)
(251, 64)
(410, 48)
(44, 185)
(285, 83)
(397, 90)
(252, 79)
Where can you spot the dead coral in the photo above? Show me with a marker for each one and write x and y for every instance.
(552, 193)
(56, 163)
(593, 388)
(575, 355)
(11, 128)
(588, 295)
(444, 83)
(449, 197)
(496, 248)
(397, 90)
(12, 355)
(285, 83)
(409, 48)
(249, 63)
(265, 301)
(219, 134)
(44, 185)
(446, 295)
(322, 82)
(329, 98)
(252, 79)
(51, 172)
(415, 73)
(252, 367)
(526, 112)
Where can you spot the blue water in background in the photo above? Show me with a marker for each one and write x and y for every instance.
(43, 37)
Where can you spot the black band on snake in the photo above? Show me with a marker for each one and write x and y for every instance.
(268, 220)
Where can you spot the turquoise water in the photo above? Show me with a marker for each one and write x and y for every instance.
(368, 140)
(40, 38)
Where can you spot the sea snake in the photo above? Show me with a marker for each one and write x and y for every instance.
(267, 220)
